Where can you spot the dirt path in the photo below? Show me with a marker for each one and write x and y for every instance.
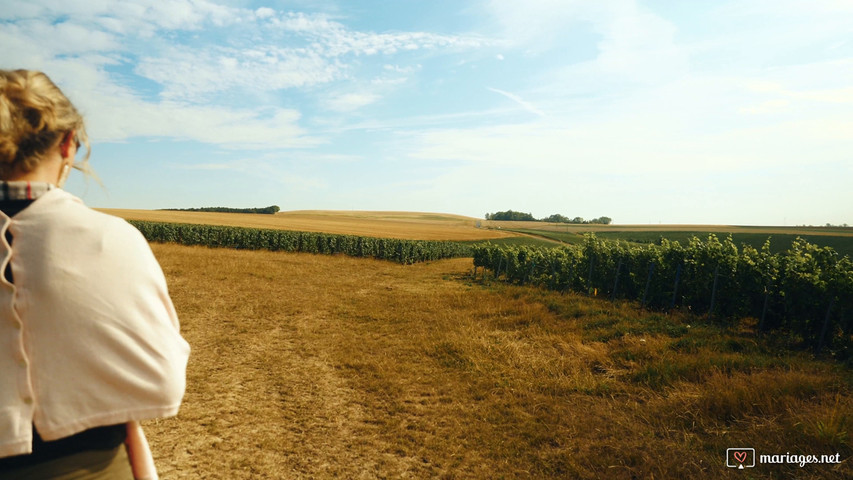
(268, 394)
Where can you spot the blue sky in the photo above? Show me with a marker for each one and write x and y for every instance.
(671, 111)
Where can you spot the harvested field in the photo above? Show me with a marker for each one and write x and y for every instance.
(403, 225)
(309, 366)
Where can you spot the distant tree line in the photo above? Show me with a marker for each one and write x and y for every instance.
(267, 210)
(555, 218)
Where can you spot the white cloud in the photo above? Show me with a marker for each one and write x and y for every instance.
(347, 102)
(316, 24)
(101, 33)
(535, 24)
(228, 128)
(319, 50)
(264, 12)
(385, 81)
(190, 74)
(364, 43)
(404, 70)
(140, 15)
(335, 40)
(394, 75)
(114, 113)
(38, 38)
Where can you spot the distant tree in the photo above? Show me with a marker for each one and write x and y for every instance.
(509, 215)
(557, 218)
(272, 209)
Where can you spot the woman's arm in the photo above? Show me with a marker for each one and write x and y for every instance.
(141, 460)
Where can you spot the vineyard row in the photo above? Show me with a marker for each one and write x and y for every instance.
(806, 291)
(402, 251)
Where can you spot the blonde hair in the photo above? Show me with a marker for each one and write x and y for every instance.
(34, 117)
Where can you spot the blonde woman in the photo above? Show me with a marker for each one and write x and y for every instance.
(89, 338)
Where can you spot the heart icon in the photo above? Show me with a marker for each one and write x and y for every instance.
(740, 456)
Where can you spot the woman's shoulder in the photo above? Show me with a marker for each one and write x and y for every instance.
(81, 239)
(59, 210)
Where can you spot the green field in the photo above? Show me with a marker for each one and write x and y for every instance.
(840, 239)
(533, 240)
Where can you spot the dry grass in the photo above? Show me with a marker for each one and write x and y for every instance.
(403, 225)
(332, 367)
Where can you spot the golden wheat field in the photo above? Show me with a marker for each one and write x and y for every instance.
(314, 367)
(403, 225)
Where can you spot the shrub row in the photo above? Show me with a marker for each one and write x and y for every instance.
(807, 290)
(402, 251)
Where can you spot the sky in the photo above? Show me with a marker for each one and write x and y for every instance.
(646, 111)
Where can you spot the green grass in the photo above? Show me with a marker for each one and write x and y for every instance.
(528, 241)
(564, 237)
